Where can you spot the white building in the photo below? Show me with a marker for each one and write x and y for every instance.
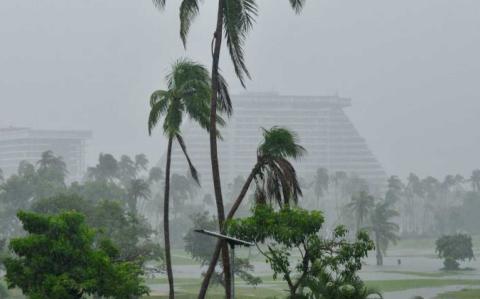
(18, 144)
(324, 129)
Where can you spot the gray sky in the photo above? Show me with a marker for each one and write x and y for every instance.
(411, 67)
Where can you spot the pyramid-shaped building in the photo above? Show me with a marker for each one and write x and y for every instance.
(324, 129)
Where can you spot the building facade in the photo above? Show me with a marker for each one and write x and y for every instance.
(323, 128)
(25, 144)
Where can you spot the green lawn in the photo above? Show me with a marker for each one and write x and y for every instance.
(463, 294)
(427, 274)
(406, 284)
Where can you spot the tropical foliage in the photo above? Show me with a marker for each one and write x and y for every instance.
(454, 248)
(323, 262)
(58, 259)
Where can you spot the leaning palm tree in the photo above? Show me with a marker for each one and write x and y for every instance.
(187, 94)
(275, 179)
(384, 229)
(360, 206)
(235, 19)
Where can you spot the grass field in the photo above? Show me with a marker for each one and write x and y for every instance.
(463, 294)
(414, 278)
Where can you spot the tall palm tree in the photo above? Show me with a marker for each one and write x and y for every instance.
(360, 206)
(395, 189)
(384, 229)
(475, 179)
(235, 19)
(413, 192)
(275, 179)
(187, 94)
(321, 182)
(137, 189)
(339, 178)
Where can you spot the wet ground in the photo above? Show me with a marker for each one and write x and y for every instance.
(416, 265)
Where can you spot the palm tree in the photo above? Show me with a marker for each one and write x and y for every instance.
(360, 206)
(321, 182)
(137, 189)
(338, 180)
(2, 178)
(126, 170)
(181, 189)
(235, 19)
(141, 162)
(384, 229)
(395, 189)
(431, 188)
(155, 174)
(475, 179)
(188, 93)
(413, 192)
(106, 169)
(274, 176)
(52, 166)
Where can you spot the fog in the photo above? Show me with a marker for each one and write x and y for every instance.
(411, 68)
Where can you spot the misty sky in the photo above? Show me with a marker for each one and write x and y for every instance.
(411, 67)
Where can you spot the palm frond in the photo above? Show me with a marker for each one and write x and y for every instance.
(297, 5)
(160, 4)
(158, 104)
(238, 18)
(280, 142)
(224, 103)
(193, 170)
(188, 11)
(173, 117)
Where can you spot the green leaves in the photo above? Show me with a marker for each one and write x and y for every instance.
(453, 248)
(188, 11)
(332, 262)
(276, 178)
(58, 260)
(280, 142)
(188, 94)
(288, 226)
(238, 18)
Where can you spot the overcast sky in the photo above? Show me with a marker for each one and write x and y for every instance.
(411, 67)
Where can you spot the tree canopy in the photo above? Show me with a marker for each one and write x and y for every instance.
(58, 259)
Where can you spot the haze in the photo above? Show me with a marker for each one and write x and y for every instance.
(411, 68)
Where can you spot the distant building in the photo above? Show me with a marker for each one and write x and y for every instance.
(324, 129)
(18, 144)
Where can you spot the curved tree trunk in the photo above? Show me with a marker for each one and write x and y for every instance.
(166, 224)
(213, 151)
(231, 213)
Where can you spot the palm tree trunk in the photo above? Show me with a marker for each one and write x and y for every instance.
(231, 213)
(166, 229)
(379, 251)
(214, 155)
